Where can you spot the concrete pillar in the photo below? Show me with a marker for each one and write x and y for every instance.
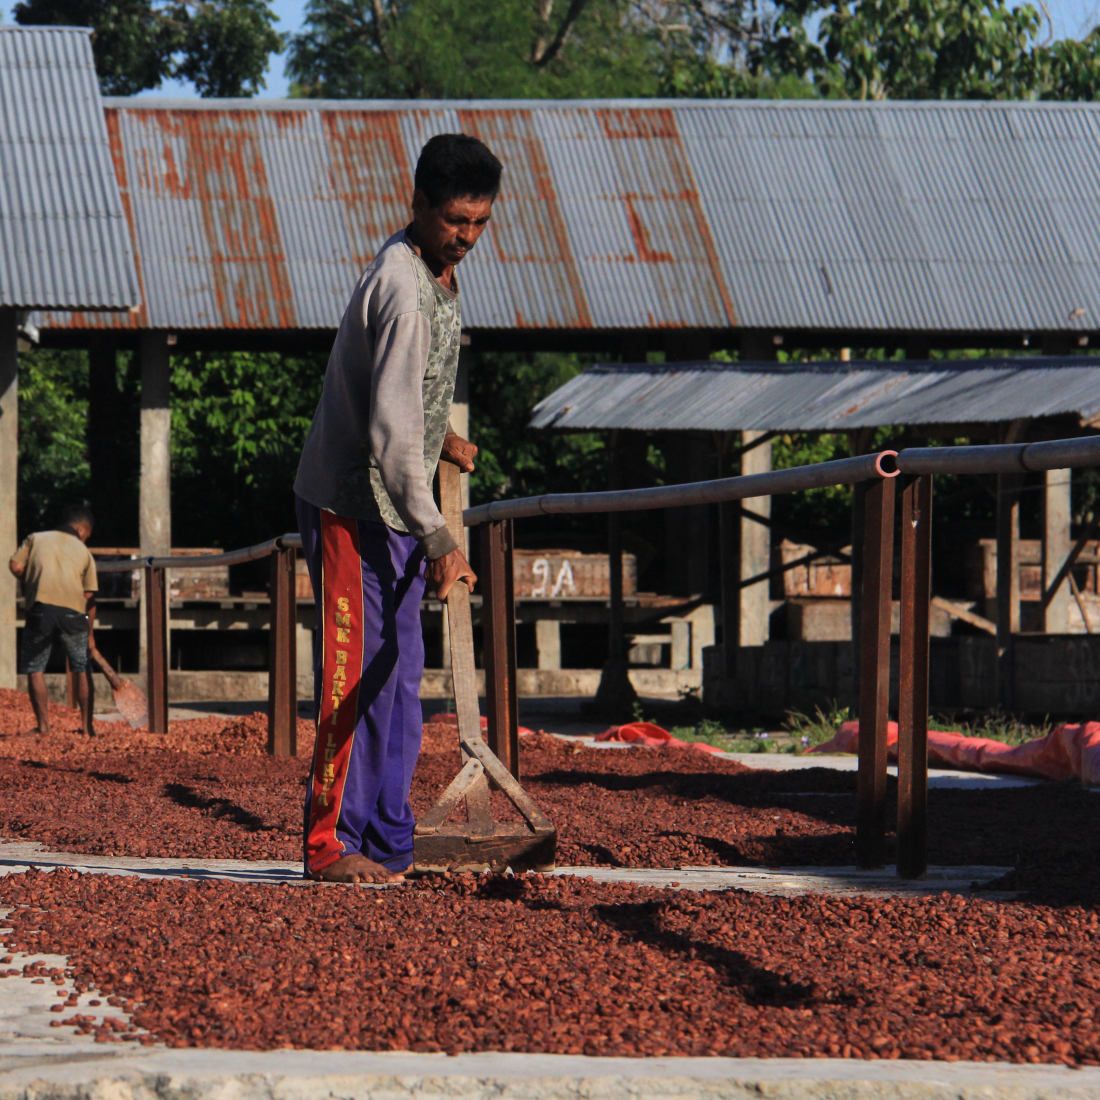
(755, 547)
(1056, 547)
(155, 488)
(9, 488)
(548, 643)
(155, 497)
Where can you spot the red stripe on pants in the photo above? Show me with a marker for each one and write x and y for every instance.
(341, 626)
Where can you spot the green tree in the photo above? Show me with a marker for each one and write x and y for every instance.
(238, 423)
(931, 49)
(513, 460)
(453, 49)
(221, 46)
(53, 456)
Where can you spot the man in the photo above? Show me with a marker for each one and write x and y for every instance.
(59, 587)
(371, 532)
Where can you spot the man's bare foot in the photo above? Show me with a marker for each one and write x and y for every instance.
(356, 868)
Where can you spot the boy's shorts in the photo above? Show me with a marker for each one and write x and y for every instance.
(47, 623)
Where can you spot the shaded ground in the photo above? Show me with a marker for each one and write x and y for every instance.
(568, 966)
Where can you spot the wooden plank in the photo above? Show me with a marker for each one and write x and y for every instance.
(478, 811)
(504, 779)
(965, 615)
(450, 798)
(518, 848)
(459, 620)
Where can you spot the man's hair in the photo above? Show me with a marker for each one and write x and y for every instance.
(77, 513)
(454, 165)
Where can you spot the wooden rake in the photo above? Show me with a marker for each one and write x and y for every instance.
(478, 843)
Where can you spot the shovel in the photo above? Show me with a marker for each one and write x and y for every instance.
(129, 698)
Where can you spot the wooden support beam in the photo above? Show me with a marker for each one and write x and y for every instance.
(9, 491)
(498, 624)
(1008, 581)
(729, 519)
(282, 685)
(913, 650)
(155, 598)
(874, 671)
(1008, 571)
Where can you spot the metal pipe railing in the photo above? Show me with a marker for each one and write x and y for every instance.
(842, 471)
(1001, 458)
(289, 541)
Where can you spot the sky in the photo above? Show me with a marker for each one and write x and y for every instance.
(1070, 19)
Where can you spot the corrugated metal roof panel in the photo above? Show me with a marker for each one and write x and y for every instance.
(820, 396)
(784, 216)
(63, 237)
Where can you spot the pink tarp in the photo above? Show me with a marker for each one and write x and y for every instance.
(1071, 751)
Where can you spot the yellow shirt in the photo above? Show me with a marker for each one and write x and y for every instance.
(59, 570)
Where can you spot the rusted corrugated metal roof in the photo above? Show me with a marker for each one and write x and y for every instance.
(63, 237)
(782, 216)
(830, 396)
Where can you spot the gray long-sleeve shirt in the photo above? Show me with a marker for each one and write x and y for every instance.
(376, 436)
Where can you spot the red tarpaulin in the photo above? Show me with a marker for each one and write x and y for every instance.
(1071, 751)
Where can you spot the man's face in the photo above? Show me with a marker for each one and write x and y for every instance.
(445, 233)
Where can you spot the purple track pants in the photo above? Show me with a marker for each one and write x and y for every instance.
(368, 658)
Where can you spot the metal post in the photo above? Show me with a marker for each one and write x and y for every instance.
(1008, 582)
(498, 623)
(156, 639)
(874, 671)
(615, 692)
(916, 594)
(282, 684)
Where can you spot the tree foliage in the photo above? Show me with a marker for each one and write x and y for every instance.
(453, 49)
(930, 49)
(238, 423)
(513, 460)
(221, 46)
(53, 458)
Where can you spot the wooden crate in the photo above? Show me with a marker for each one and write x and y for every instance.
(569, 574)
(981, 569)
(827, 576)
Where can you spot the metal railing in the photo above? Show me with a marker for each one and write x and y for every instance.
(879, 473)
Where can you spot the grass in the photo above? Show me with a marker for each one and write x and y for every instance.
(801, 731)
(997, 725)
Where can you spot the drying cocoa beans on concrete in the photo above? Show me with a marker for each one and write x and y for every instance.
(461, 963)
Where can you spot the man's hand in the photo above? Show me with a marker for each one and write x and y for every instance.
(442, 573)
(459, 452)
(18, 568)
